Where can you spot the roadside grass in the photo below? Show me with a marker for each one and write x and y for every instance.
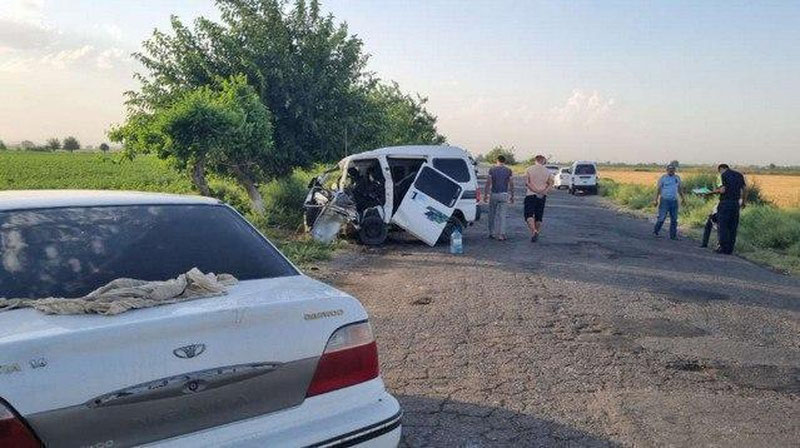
(767, 234)
(283, 198)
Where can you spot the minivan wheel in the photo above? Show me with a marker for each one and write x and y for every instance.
(452, 224)
(372, 231)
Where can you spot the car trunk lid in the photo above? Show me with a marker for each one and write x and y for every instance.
(157, 373)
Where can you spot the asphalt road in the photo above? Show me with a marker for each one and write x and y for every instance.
(597, 335)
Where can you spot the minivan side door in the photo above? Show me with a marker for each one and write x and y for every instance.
(428, 205)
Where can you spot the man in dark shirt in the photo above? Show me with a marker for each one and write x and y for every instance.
(731, 199)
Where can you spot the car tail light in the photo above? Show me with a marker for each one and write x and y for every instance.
(350, 357)
(477, 195)
(13, 431)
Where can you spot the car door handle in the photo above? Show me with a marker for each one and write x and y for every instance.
(414, 195)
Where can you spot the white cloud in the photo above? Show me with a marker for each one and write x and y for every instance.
(65, 58)
(24, 11)
(583, 109)
(108, 59)
(111, 30)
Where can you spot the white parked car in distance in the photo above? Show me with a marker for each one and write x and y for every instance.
(553, 169)
(282, 360)
(563, 178)
(584, 177)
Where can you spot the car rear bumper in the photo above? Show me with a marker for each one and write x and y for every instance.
(362, 416)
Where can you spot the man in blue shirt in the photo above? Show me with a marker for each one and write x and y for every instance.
(668, 189)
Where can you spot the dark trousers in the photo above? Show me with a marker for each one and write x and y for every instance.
(712, 218)
(728, 223)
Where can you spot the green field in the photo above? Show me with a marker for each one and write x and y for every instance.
(284, 198)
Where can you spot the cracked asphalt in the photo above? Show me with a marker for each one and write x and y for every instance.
(597, 335)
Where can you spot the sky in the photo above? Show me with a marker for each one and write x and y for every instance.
(630, 81)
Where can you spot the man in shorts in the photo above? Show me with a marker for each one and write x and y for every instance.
(539, 182)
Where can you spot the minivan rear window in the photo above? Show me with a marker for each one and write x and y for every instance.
(69, 252)
(456, 169)
(585, 169)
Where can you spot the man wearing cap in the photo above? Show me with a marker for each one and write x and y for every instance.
(668, 188)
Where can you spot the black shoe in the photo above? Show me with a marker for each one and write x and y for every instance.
(534, 238)
(704, 245)
(674, 238)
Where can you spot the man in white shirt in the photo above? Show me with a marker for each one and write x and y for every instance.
(539, 182)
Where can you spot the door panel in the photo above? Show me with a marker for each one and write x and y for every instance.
(428, 205)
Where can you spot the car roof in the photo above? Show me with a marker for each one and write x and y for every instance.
(35, 199)
(411, 150)
(584, 162)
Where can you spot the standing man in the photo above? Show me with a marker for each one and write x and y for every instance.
(539, 182)
(668, 188)
(731, 199)
(499, 192)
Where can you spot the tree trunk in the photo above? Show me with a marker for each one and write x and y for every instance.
(246, 181)
(199, 177)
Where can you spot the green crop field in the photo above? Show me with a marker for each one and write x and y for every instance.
(21, 170)
(31, 170)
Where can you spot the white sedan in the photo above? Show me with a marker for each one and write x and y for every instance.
(563, 178)
(281, 360)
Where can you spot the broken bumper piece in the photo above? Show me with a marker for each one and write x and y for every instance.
(337, 213)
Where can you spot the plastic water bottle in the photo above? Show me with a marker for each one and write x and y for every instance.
(456, 243)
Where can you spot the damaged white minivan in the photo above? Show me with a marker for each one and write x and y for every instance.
(428, 191)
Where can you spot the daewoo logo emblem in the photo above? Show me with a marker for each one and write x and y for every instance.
(189, 351)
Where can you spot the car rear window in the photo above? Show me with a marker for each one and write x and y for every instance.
(585, 169)
(69, 252)
(456, 169)
(438, 187)
(565, 171)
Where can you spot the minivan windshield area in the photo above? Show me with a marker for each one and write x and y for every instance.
(69, 252)
(585, 170)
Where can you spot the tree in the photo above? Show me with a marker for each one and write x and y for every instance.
(396, 118)
(2, 146)
(307, 70)
(71, 144)
(491, 156)
(224, 129)
(104, 147)
(27, 145)
(53, 144)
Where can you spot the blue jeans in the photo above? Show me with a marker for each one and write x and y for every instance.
(668, 206)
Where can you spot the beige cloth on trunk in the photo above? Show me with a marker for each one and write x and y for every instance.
(125, 294)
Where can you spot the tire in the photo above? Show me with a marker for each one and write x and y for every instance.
(572, 191)
(453, 223)
(372, 231)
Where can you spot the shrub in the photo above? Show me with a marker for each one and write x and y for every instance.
(702, 179)
(284, 197)
(231, 193)
(754, 195)
(769, 227)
